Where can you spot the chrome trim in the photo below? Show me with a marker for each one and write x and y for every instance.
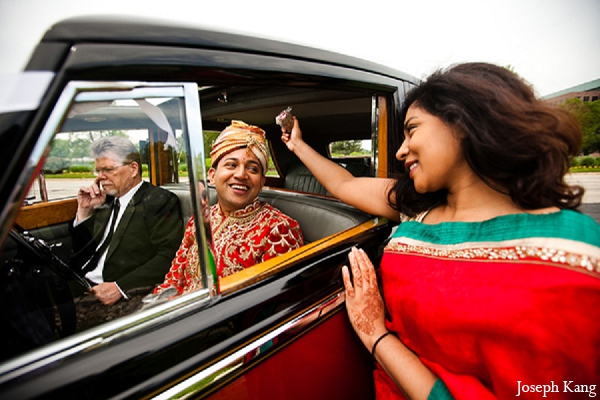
(196, 172)
(103, 335)
(224, 369)
(124, 91)
(145, 319)
(374, 136)
(43, 141)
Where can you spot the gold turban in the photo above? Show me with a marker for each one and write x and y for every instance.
(240, 135)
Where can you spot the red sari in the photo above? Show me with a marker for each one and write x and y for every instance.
(498, 307)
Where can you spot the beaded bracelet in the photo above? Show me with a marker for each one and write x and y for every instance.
(376, 343)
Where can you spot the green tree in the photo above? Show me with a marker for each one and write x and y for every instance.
(60, 148)
(181, 154)
(588, 116)
(80, 148)
(346, 147)
(56, 165)
(209, 139)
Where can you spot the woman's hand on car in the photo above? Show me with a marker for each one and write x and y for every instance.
(363, 300)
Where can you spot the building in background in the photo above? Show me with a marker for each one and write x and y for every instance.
(589, 91)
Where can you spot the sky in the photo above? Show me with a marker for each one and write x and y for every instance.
(553, 44)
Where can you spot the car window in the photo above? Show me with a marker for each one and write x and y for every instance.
(326, 116)
(354, 155)
(157, 121)
(69, 165)
(41, 248)
(351, 148)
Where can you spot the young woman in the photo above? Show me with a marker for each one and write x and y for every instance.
(491, 282)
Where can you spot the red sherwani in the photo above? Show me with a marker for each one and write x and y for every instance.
(246, 237)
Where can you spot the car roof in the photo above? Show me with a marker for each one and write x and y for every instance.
(121, 29)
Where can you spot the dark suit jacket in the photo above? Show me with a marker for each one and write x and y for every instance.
(144, 243)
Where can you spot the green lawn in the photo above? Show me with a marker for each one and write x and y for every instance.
(584, 169)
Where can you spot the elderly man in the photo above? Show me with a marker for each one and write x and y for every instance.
(245, 231)
(126, 231)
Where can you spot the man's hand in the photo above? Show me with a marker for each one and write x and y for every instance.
(89, 197)
(107, 292)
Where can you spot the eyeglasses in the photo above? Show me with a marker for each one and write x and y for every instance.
(107, 171)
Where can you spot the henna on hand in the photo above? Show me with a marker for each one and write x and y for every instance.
(369, 304)
(356, 270)
(358, 279)
(350, 292)
(365, 320)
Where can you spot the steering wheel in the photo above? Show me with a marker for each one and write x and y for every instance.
(43, 251)
(37, 303)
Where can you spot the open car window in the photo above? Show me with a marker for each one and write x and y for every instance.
(326, 116)
(174, 136)
(68, 164)
(163, 123)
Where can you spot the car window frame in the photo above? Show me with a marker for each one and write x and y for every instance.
(191, 130)
(193, 140)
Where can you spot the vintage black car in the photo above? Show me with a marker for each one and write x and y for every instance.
(275, 330)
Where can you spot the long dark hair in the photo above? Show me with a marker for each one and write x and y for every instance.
(517, 144)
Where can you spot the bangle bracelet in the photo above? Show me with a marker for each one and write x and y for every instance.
(376, 343)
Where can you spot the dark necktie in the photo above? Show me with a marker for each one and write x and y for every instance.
(93, 261)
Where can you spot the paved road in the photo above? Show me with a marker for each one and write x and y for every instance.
(591, 182)
(60, 188)
(591, 199)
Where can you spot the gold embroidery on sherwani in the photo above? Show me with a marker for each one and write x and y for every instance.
(247, 237)
(251, 235)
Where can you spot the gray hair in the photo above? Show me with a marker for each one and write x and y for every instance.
(118, 146)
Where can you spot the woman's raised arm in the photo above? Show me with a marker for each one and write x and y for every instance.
(366, 194)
